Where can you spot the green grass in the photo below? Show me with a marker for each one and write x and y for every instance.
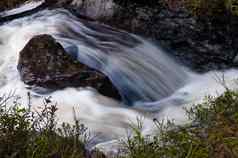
(26, 134)
(212, 133)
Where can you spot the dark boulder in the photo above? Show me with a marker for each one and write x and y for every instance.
(44, 63)
(58, 3)
(197, 43)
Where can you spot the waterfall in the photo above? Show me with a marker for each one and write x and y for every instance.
(145, 76)
(140, 70)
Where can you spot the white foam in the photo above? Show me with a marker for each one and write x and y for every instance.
(99, 113)
(29, 5)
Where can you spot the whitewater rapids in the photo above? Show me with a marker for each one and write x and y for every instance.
(151, 83)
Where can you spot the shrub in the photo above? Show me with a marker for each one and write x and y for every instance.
(27, 134)
(211, 133)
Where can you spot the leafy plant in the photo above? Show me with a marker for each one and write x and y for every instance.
(34, 134)
(211, 133)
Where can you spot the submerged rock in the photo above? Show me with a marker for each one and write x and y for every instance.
(44, 63)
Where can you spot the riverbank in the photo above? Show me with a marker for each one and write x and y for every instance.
(212, 132)
(200, 41)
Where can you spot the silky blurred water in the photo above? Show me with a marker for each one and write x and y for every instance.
(151, 83)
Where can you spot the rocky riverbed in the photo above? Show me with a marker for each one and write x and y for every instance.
(201, 45)
(139, 66)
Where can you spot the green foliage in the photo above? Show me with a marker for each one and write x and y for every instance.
(232, 5)
(211, 133)
(212, 8)
(27, 134)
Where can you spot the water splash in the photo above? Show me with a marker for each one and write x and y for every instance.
(136, 67)
(29, 5)
(141, 71)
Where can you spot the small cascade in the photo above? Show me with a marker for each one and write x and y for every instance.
(140, 70)
(145, 76)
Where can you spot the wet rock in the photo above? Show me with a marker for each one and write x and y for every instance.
(197, 43)
(10, 4)
(44, 63)
(93, 9)
(236, 60)
(58, 3)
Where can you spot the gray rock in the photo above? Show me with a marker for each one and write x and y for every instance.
(44, 63)
(197, 44)
(95, 9)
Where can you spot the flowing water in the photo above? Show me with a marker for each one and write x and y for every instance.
(151, 83)
(25, 7)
